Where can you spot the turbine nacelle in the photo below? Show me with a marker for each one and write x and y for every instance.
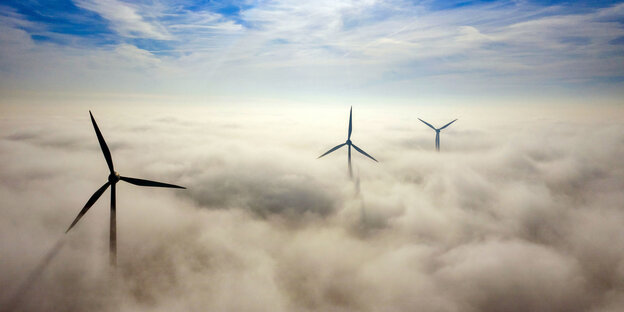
(113, 177)
(348, 142)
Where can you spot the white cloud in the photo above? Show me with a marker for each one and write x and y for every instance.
(201, 20)
(372, 48)
(134, 55)
(125, 19)
(511, 214)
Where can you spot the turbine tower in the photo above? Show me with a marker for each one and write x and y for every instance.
(113, 178)
(349, 143)
(437, 139)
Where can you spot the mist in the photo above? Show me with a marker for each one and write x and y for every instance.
(520, 210)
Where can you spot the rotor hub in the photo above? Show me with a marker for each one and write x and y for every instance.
(349, 142)
(113, 177)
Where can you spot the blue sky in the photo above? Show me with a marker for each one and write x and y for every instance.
(404, 51)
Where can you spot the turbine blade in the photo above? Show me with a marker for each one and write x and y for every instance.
(331, 150)
(363, 152)
(142, 182)
(89, 203)
(350, 124)
(448, 124)
(428, 124)
(105, 150)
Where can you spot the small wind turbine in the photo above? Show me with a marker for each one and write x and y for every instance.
(437, 140)
(113, 178)
(349, 143)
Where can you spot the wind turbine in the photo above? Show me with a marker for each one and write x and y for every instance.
(113, 178)
(437, 140)
(349, 143)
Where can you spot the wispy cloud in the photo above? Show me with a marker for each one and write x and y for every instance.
(125, 18)
(366, 47)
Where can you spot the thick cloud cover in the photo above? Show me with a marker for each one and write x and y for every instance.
(520, 216)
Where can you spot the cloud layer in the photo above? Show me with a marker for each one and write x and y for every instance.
(328, 49)
(525, 216)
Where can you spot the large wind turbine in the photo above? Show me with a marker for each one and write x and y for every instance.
(437, 140)
(113, 178)
(349, 143)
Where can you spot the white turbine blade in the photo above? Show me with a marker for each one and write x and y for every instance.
(333, 149)
(89, 203)
(143, 182)
(448, 124)
(350, 124)
(363, 152)
(428, 124)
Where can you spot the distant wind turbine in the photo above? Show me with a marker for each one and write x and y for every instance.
(437, 139)
(113, 178)
(349, 143)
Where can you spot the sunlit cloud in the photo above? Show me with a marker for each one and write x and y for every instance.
(522, 210)
(125, 19)
(335, 48)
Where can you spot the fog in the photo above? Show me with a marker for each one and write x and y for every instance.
(520, 210)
